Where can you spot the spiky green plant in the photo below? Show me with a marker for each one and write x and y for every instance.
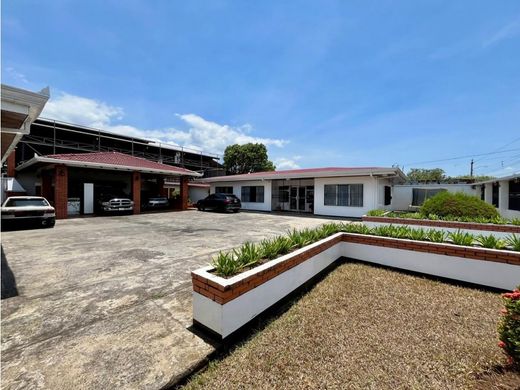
(436, 235)
(417, 234)
(225, 264)
(461, 238)
(513, 241)
(247, 255)
(490, 242)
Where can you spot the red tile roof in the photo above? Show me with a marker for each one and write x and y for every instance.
(119, 159)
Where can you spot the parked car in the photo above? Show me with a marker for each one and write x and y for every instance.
(28, 209)
(108, 203)
(219, 201)
(159, 202)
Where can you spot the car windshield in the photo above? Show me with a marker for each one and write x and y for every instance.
(26, 202)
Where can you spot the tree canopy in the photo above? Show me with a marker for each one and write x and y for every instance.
(247, 158)
(426, 175)
(419, 175)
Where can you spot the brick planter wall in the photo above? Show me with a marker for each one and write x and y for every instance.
(445, 224)
(225, 293)
(225, 305)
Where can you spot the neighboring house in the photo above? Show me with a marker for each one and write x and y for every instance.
(503, 193)
(412, 196)
(345, 192)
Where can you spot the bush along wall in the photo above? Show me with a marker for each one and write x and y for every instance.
(509, 327)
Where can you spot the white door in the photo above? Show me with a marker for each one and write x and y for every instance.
(88, 198)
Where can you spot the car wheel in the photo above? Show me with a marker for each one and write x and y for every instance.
(236, 211)
(50, 223)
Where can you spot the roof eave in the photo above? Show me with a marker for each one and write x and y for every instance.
(113, 167)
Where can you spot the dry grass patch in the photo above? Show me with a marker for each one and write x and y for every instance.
(367, 327)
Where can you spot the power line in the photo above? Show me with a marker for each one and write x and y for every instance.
(508, 144)
(461, 157)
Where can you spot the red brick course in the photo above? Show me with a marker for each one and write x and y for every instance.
(136, 191)
(223, 294)
(11, 164)
(61, 179)
(446, 224)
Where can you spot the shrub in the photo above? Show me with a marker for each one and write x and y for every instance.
(458, 204)
(509, 326)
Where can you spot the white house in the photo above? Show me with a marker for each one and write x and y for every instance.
(503, 193)
(345, 192)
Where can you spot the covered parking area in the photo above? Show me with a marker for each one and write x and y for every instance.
(74, 183)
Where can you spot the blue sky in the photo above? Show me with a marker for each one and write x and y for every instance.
(322, 83)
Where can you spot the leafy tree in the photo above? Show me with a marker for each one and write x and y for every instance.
(471, 178)
(247, 158)
(426, 175)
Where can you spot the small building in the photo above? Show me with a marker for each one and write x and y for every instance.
(74, 181)
(336, 191)
(412, 196)
(503, 193)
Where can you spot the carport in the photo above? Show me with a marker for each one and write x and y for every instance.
(62, 177)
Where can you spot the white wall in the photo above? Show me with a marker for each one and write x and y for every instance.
(197, 193)
(371, 196)
(402, 193)
(237, 190)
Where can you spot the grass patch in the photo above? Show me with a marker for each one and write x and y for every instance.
(369, 327)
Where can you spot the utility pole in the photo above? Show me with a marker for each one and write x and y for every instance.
(471, 169)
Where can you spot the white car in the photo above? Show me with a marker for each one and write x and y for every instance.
(36, 209)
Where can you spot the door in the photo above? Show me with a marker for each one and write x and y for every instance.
(301, 198)
(388, 195)
(293, 201)
(88, 198)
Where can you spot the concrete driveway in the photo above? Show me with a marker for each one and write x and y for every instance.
(106, 302)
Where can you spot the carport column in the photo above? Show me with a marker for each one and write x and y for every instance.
(184, 192)
(11, 164)
(136, 191)
(61, 178)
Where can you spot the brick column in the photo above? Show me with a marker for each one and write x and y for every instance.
(11, 164)
(184, 192)
(61, 178)
(136, 191)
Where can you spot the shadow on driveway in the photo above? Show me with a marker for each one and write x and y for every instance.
(9, 289)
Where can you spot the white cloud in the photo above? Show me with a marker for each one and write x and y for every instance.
(508, 31)
(287, 163)
(201, 134)
(81, 111)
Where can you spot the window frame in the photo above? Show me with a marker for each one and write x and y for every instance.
(252, 194)
(344, 195)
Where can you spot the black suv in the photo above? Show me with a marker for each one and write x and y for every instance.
(218, 201)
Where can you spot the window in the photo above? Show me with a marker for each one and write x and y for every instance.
(514, 194)
(253, 194)
(388, 195)
(283, 194)
(344, 195)
(224, 190)
(419, 195)
(494, 194)
(483, 192)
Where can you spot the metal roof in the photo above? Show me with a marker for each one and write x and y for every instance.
(110, 161)
(311, 173)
